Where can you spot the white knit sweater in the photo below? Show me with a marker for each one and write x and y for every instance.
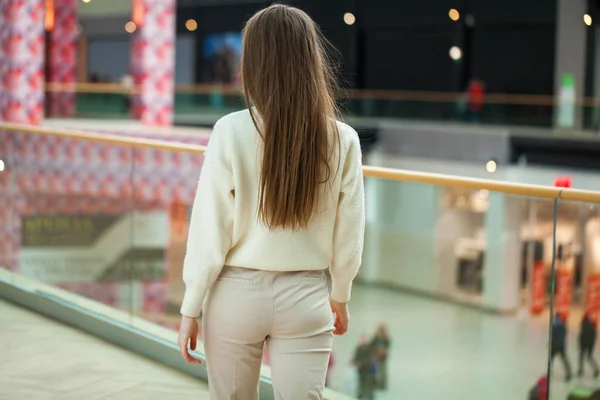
(225, 228)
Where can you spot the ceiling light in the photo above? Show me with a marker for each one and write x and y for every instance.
(454, 14)
(455, 53)
(130, 27)
(349, 19)
(191, 25)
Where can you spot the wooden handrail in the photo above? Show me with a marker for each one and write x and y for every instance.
(378, 94)
(546, 192)
(105, 138)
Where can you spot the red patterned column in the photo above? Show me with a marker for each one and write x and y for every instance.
(63, 57)
(22, 61)
(153, 61)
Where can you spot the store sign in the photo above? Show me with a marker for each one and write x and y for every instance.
(64, 230)
(592, 298)
(94, 248)
(567, 106)
(564, 289)
(538, 289)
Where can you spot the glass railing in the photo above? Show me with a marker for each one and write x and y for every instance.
(196, 104)
(459, 271)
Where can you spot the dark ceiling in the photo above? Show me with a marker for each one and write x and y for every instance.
(404, 44)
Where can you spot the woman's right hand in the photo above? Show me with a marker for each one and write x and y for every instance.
(188, 336)
(342, 317)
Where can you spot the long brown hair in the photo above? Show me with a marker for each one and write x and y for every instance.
(288, 77)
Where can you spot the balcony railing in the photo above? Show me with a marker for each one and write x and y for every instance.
(103, 216)
(108, 100)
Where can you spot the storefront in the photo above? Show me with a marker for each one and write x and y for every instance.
(485, 249)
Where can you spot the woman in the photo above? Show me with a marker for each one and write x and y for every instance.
(280, 199)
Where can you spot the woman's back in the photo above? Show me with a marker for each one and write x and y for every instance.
(236, 141)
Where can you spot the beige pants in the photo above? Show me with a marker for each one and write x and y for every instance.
(288, 310)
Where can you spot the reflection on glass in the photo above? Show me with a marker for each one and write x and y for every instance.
(72, 215)
(164, 184)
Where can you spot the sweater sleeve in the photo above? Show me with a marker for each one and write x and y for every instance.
(349, 230)
(211, 225)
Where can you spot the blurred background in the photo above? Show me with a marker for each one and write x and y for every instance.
(442, 60)
(482, 251)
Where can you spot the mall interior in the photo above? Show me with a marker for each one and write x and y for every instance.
(479, 123)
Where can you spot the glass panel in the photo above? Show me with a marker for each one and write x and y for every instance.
(99, 101)
(453, 262)
(451, 108)
(206, 103)
(103, 105)
(74, 215)
(203, 104)
(462, 279)
(577, 298)
(164, 184)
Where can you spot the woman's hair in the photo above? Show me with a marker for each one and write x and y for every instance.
(288, 78)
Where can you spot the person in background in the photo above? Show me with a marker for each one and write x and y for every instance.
(587, 341)
(365, 363)
(558, 345)
(540, 390)
(381, 345)
(127, 83)
(475, 100)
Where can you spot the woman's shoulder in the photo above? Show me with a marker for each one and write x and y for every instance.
(234, 125)
(348, 136)
(346, 130)
(235, 118)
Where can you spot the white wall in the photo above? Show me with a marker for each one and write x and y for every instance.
(451, 226)
(502, 263)
(591, 246)
(399, 246)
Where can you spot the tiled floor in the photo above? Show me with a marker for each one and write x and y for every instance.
(42, 359)
(444, 351)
